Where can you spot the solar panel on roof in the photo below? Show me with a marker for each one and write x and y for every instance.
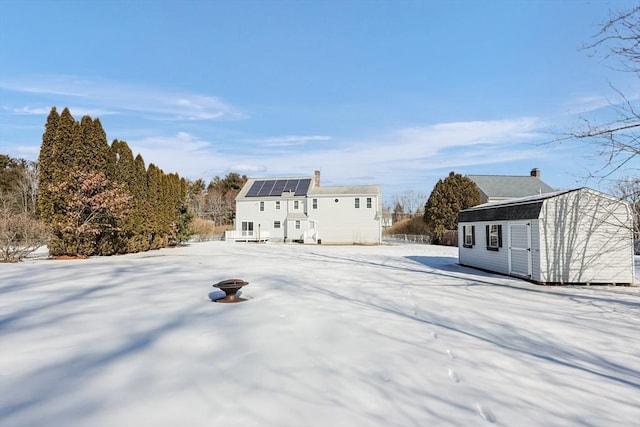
(266, 188)
(255, 188)
(279, 187)
(303, 187)
(273, 187)
(290, 185)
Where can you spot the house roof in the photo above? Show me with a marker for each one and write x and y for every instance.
(253, 186)
(521, 208)
(345, 190)
(269, 187)
(509, 186)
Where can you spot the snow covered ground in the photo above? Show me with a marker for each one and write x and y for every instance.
(331, 336)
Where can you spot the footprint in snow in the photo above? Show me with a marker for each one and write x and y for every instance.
(454, 377)
(485, 413)
(434, 335)
(451, 353)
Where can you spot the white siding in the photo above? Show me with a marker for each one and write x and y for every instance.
(341, 222)
(586, 239)
(332, 222)
(481, 257)
(519, 248)
(535, 250)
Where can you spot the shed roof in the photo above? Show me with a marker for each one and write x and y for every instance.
(509, 186)
(521, 208)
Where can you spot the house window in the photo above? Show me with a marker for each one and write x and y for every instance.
(494, 237)
(469, 233)
(297, 224)
(276, 224)
(315, 203)
(357, 202)
(368, 202)
(277, 204)
(261, 206)
(296, 204)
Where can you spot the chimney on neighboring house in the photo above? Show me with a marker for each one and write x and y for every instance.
(535, 172)
(316, 179)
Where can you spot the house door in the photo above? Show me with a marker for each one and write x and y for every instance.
(247, 229)
(520, 249)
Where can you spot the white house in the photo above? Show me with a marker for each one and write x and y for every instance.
(576, 236)
(300, 210)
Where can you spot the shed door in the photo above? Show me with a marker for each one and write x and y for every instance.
(520, 249)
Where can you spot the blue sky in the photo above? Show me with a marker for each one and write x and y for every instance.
(396, 93)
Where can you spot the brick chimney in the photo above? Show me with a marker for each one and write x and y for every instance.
(535, 172)
(316, 179)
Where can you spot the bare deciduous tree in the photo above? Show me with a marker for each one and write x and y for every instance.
(411, 202)
(618, 139)
(629, 190)
(20, 232)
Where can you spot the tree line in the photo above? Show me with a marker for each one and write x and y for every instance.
(97, 199)
(86, 197)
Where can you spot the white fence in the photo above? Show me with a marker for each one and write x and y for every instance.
(407, 238)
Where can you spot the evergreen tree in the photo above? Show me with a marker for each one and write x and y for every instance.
(448, 198)
(155, 201)
(46, 161)
(141, 210)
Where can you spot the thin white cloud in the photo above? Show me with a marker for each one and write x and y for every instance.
(587, 103)
(76, 111)
(403, 153)
(286, 141)
(121, 97)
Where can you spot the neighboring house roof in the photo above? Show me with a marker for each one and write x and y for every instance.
(521, 208)
(509, 186)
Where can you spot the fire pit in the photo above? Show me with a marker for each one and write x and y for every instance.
(230, 287)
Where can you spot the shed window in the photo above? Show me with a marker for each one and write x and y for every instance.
(494, 237)
(357, 202)
(297, 224)
(469, 232)
(276, 224)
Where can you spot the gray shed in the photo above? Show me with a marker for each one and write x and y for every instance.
(577, 236)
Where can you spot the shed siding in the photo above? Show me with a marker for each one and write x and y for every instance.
(479, 255)
(535, 249)
(519, 247)
(586, 239)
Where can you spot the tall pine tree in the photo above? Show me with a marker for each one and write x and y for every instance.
(46, 164)
(448, 198)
